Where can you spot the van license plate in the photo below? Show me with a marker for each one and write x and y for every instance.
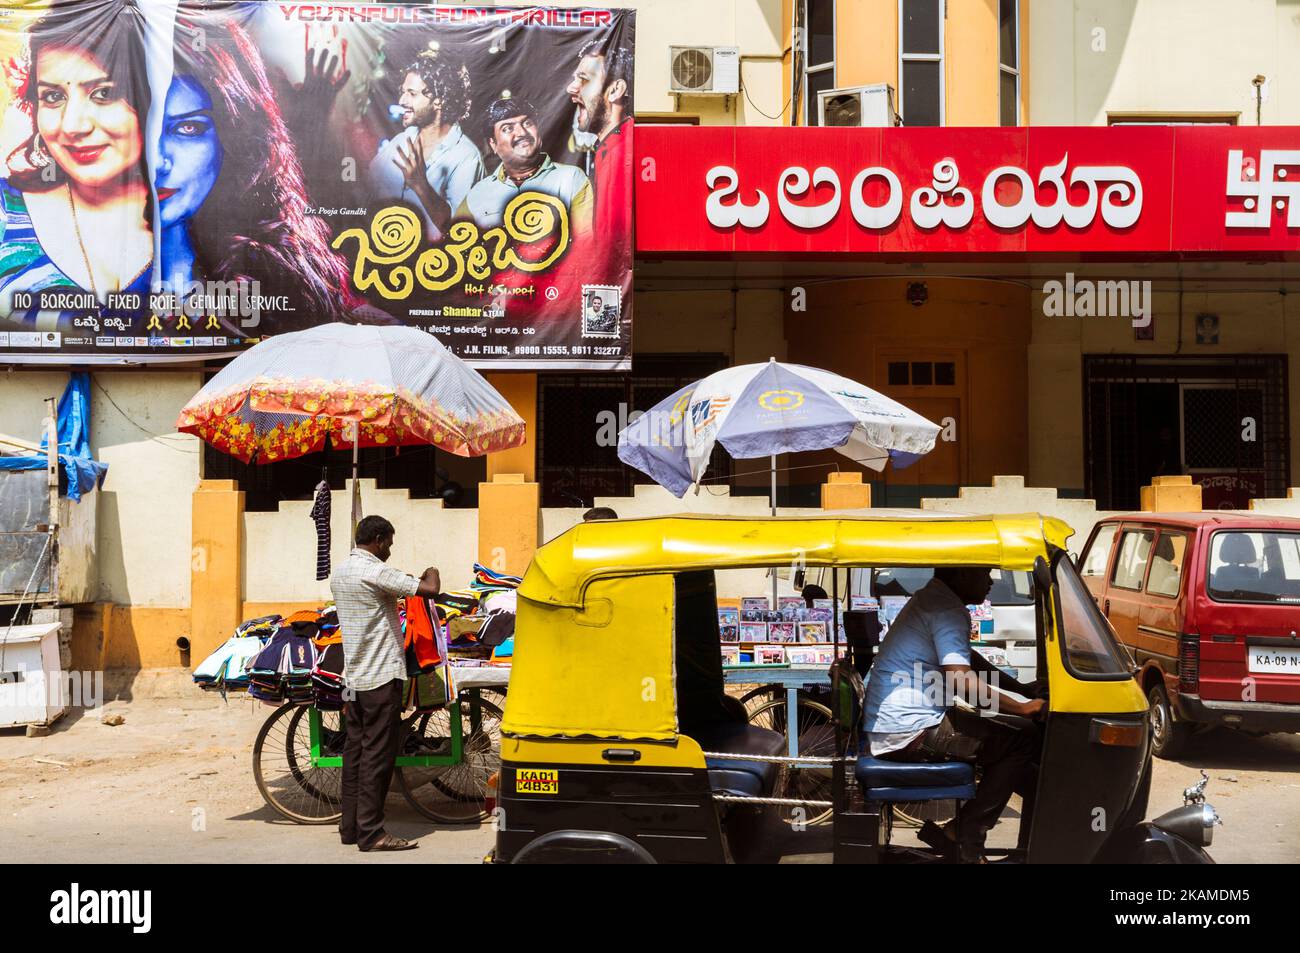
(1263, 658)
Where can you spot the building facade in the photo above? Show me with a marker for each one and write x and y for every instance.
(189, 542)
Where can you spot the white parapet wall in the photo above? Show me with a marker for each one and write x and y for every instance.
(279, 555)
(1289, 506)
(1008, 494)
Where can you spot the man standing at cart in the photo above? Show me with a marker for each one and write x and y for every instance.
(365, 595)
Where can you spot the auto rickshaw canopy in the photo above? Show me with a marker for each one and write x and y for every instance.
(599, 654)
(563, 568)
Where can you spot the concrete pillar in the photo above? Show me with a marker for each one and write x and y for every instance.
(520, 390)
(844, 490)
(1171, 494)
(509, 518)
(217, 516)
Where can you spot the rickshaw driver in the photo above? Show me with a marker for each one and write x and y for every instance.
(908, 721)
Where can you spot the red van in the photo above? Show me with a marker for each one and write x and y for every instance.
(1209, 605)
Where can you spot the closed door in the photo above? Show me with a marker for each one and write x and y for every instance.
(930, 382)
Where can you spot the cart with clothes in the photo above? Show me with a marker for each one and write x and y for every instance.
(458, 650)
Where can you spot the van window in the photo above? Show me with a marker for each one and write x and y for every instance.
(1255, 567)
(1094, 564)
(1131, 566)
(1167, 564)
(1087, 645)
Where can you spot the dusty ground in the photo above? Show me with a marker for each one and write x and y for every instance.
(129, 794)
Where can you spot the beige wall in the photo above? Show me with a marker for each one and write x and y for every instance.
(748, 326)
(1163, 56)
(1259, 323)
(752, 25)
(143, 510)
(279, 548)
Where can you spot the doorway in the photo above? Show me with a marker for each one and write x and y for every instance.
(1222, 420)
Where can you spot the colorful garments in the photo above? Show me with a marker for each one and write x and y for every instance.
(422, 653)
(224, 669)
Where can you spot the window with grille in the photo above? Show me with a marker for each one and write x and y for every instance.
(1225, 421)
(578, 413)
(922, 373)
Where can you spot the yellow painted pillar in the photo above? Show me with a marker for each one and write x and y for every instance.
(509, 515)
(520, 390)
(1171, 494)
(844, 490)
(216, 599)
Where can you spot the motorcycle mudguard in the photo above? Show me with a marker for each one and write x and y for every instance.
(1147, 844)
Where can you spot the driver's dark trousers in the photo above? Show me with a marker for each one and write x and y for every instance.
(373, 736)
(1006, 758)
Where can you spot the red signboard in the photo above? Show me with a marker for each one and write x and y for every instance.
(1104, 193)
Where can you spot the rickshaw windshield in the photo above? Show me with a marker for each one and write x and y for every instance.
(1088, 647)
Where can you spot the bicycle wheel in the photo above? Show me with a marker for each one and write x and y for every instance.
(283, 770)
(453, 794)
(755, 698)
(916, 813)
(816, 739)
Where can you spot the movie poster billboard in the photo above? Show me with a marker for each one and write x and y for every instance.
(182, 180)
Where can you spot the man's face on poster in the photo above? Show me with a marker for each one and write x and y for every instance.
(587, 91)
(419, 108)
(515, 142)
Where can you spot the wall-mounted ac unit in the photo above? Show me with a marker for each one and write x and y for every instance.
(857, 106)
(704, 69)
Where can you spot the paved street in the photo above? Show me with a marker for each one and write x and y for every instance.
(130, 793)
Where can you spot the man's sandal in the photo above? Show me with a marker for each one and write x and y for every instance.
(389, 842)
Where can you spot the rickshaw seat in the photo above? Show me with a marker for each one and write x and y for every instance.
(734, 776)
(883, 780)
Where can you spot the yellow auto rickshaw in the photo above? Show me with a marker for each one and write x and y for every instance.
(619, 743)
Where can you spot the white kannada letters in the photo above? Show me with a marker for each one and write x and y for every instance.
(728, 216)
(943, 201)
(1263, 191)
(928, 206)
(794, 180)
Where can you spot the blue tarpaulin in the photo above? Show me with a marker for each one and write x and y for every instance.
(83, 473)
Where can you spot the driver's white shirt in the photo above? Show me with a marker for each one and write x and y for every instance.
(932, 631)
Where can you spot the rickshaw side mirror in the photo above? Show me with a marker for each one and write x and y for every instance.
(799, 579)
(1042, 575)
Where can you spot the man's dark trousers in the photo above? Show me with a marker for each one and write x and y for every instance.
(373, 722)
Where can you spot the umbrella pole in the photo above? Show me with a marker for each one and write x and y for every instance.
(356, 487)
(773, 501)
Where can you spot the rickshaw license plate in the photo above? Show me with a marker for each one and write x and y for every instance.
(1262, 658)
(537, 781)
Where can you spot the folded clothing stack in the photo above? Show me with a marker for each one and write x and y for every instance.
(485, 580)
(327, 675)
(225, 669)
(281, 672)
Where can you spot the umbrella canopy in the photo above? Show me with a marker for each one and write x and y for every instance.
(397, 385)
(760, 410)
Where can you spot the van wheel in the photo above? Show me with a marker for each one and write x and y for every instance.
(1168, 737)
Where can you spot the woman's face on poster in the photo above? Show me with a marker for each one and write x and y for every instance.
(189, 152)
(88, 126)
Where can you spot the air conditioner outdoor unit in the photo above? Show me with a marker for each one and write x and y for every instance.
(857, 106)
(704, 69)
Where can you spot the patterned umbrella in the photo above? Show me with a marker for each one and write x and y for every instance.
(395, 385)
(761, 410)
